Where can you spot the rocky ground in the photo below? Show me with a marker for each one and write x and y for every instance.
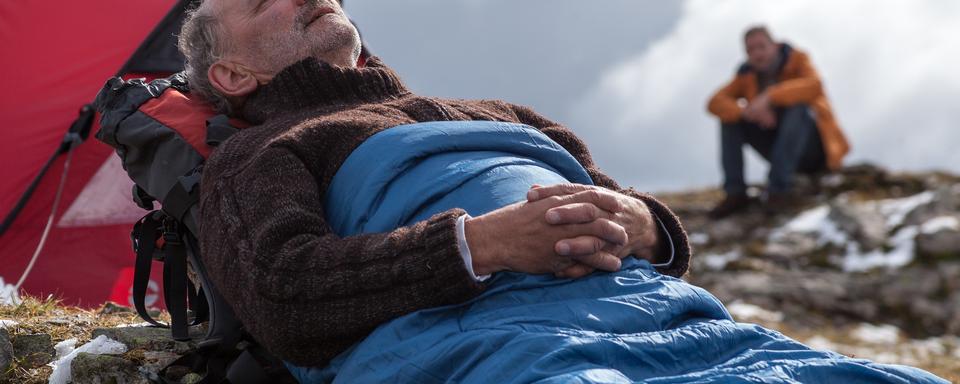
(868, 266)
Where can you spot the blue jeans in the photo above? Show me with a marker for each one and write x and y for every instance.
(794, 146)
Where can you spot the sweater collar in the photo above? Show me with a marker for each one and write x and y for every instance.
(310, 84)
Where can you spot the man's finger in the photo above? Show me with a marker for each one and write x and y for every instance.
(606, 230)
(579, 246)
(541, 192)
(601, 260)
(561, 264)
(576, 213)
(575, 271)
(603, 198)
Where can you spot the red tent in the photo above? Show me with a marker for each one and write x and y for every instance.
(57, 56)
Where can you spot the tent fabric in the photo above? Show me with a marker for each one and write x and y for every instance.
(59, 54)
(58, 57)
(634, 325)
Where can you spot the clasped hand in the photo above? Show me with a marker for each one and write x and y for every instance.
(567, 229)
(760, 112)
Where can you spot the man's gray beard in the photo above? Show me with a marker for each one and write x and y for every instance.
(294, 45)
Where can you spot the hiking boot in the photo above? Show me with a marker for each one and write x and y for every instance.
(730, 205)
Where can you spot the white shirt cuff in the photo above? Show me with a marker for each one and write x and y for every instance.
(465, 249)
(669, 239)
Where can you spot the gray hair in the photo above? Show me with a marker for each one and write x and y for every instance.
(202, 44)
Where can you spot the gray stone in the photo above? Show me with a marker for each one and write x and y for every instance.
(909, 284)
(110, 308)
(154, 361)
(89, 368)
(791, 245)
(940, 244)
(953, 302)
(946, 201)
(950, 272)
(59, 321)
(867, 226)
(6, 352)
(176, 373)
(148, 338)
(191, 378)
(34, 350)
(725, 231)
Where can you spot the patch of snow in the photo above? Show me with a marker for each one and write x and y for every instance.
(877, 334)
(809, 221)
(746, 312)
(923, 350)
(940, 223)
(716, 261)
(102, 345)
(699, 238)
(895, 210)
(4, 323)
(8, 294)
(64, 348)
(816, 221)
(133, 325)
(901, 254)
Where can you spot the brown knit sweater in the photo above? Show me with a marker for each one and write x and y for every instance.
(303, 292)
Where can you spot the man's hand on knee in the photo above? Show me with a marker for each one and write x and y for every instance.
(760, 112)
(583, 203)
(521, 238)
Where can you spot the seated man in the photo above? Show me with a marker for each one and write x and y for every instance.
(787, 119)
(365, 233)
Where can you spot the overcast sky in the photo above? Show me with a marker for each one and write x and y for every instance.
(632, 77)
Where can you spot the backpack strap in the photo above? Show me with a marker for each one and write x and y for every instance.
(175, 281)
(179, 293)
(144, 236)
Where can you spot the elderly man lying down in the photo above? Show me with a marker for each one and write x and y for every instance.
(367, 234)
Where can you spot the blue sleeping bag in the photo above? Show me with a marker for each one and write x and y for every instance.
(629, 326)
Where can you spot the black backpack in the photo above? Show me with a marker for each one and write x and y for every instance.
(163, 138)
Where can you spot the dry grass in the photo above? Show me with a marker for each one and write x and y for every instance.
(48, 315)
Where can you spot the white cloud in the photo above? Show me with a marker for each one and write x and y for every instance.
(889, 67)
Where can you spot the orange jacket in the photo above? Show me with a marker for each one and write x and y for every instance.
(798, 83)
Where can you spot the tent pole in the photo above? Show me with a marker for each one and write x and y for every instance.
(77, 133)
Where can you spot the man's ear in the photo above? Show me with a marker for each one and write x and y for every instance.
(232, 79)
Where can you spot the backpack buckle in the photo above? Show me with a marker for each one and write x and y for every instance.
(171, 232)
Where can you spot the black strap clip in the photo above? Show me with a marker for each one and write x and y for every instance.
(171, 232)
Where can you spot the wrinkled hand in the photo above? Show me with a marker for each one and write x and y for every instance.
(519, 238)
(632, 214)
(760, 112)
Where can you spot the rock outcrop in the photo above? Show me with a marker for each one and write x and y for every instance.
(868, 246)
